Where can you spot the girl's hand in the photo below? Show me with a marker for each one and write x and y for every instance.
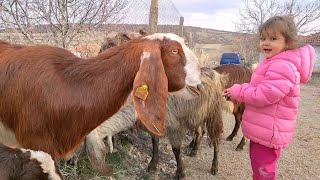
(227, 93)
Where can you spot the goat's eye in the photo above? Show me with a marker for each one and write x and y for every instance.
(175, 51)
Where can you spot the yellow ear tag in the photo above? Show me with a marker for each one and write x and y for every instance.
(142, 92)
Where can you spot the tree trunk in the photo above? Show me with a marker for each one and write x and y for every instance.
(153, 17)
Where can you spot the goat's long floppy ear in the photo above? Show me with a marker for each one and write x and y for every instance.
(150, 91)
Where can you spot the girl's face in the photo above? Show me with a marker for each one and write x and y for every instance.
(272, 43)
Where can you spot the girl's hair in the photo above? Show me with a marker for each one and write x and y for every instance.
(283, 24)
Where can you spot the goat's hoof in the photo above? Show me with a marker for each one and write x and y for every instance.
(229, 138)
(191, 145)
(104, 169)
(108, 173)
(193, 153)
(151, 169)
(214, 170)
(180, 176)
(72, 161)
(239, 148)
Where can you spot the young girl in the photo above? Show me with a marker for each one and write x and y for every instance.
(273, 94)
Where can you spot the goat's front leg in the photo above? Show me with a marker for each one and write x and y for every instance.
(197, 141)
(96, 151)
(193, 139)
(214, 167)
(235, 130)
(152, 167)
(180, 167)
(72, 160)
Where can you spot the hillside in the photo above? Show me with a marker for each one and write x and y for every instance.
(210, 36)
(209, 43)
(199, 35)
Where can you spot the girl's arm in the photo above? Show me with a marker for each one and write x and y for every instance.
(278, 82)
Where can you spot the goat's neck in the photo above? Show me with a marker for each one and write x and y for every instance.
(105, 82)
(117, 79)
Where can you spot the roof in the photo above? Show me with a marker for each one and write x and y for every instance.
(312, 38)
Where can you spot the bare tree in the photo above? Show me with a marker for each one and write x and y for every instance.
(247, 45)
(255, 12)
(306, 14)
(59, 21)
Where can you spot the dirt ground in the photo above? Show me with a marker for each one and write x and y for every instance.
(300, 161)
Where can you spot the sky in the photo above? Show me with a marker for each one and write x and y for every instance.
(213, 14)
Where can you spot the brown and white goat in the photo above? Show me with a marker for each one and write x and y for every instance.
(26, 164)
(51, 99)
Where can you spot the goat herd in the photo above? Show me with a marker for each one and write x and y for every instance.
(52, 101)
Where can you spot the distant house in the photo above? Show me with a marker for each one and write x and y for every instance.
(314, 40)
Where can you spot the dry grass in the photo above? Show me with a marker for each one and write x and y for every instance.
(127, 161)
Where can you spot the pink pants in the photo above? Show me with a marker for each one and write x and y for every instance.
(263, 161)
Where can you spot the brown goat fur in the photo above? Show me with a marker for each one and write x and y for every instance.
(237, 74)
(51, 99)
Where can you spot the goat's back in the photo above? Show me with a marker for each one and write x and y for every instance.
(206, 109)
(4, 46)
(31, 77)
(237, 74)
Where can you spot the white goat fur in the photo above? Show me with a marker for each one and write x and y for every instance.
(121, 121)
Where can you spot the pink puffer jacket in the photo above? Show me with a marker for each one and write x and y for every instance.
(272, 96)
